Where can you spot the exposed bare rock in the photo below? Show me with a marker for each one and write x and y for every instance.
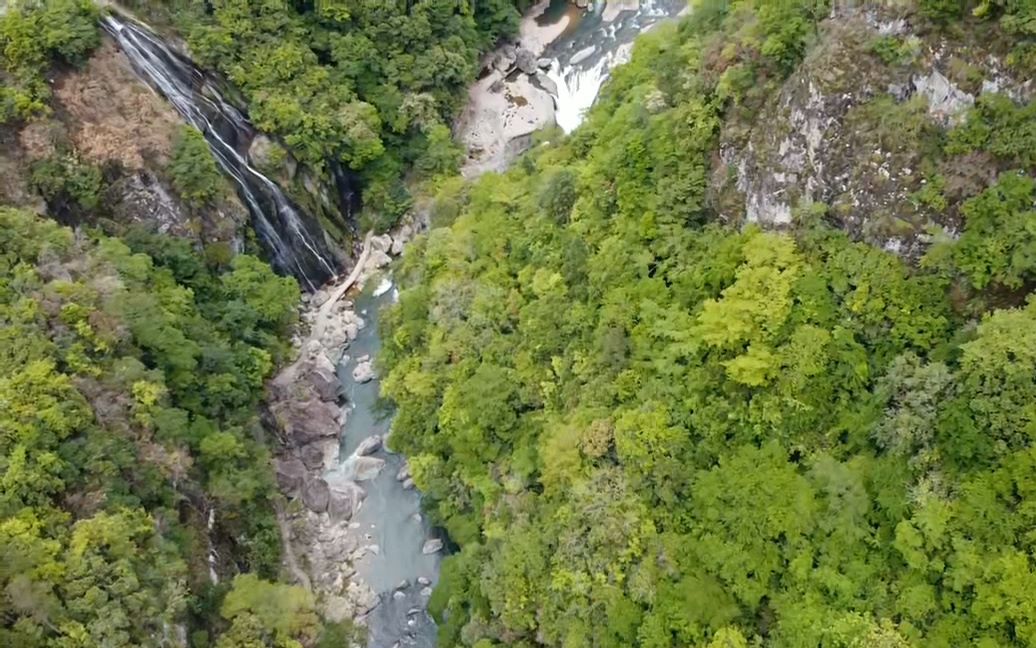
(345, 499)
(316, 495)
(849, 131)
(946, 102)
(364, 468)
(290, 473)
(364, 372)
(613, 8)
(525, 61)
(369, 446)
(307, 421)
(432, 546)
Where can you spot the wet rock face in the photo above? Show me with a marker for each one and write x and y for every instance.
(854, 132)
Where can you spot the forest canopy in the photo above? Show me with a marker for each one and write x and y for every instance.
(644, 427)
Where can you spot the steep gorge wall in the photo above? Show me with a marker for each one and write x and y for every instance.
(859, 127)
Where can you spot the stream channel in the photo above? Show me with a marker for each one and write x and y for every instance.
(399, 571)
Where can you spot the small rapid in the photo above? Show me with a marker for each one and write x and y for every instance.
(602, 40)
(294, 241)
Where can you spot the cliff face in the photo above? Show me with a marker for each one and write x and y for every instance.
(859, 126)
(104, 117)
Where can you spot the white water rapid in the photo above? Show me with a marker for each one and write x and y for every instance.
(582, 62)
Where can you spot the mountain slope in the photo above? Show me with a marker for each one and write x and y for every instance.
(646, 425)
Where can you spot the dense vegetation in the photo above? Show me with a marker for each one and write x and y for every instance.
(642, 428)
(372, 84)
(34, 38)
(130, 378)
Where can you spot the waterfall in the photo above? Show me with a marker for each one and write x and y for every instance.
(578, 87)
(582, 63)
(293, 240)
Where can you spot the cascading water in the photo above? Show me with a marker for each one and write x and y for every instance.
(581, 64)
(294, 241)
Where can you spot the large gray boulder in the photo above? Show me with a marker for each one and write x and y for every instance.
(366, 468)
(290, 473)
(368, 446)
(308, 421)
(345, 499)
(364, 372)
(526, 61)
(316, 495)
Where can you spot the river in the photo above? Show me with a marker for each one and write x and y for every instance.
(584, 52)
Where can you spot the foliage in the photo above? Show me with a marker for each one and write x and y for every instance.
(71, 186)
(33, 36)
(194, 172)
(643, 428)
(129, 389)
(373, 85)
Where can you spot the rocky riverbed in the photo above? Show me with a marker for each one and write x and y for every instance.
(333, 455)
(352, 527)
(549, 75)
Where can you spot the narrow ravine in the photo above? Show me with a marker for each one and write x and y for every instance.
(402, 562)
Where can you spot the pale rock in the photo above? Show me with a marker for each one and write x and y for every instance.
(290, 473)
(398, 596)
(403, 473)
(426, 591)
(345, 499)
(946, 102)
(363, 372)
(315, 495)
(432, 546)
(581, 55)
(424, 582)
(408, 483)
(368, 446)
(381, 243)
(525, 61)
(366, 468)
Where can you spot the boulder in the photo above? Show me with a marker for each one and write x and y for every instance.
(290, 473)
(364, 372)
(305, 422)
(547, 83)
(432, 546)
(525, 61)
(323, 378)
(366, 468)
(316, 495)
(423, 582)
(404, 472)
(381, 243)
(426, 591)
(581, 55)
(378, 258)
(543, 63)
(368, 446)
(506, 59)
(312, 454)
(408, 483)
(345, 500)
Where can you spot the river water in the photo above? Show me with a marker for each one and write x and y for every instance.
(590, 48)
(390, 518)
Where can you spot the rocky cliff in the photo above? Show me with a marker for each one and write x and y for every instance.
(102, 116)
(858, 128)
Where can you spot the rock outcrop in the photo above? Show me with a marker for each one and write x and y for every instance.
(306, 408)
(850, 130)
